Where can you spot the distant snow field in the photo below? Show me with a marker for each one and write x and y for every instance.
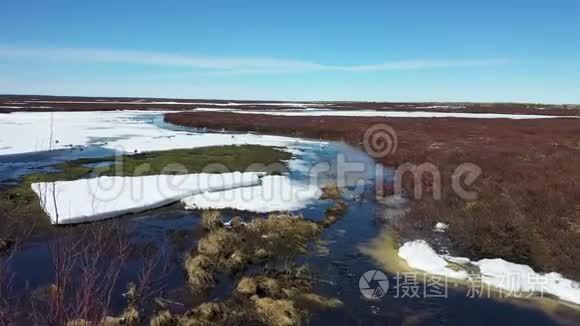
(25, 107)
(392, 114)
(122, 131)
(498, 273)
(449, 107)
(289, 104)
(130, 132)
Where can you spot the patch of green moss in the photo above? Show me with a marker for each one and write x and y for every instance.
(19, 205)
(196, 160)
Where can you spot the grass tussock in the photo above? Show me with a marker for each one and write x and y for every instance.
(339, 208)
(332, 214)
(268, 286)
(315, 300)
(268, 298)
(200, 272)
(277, 312)
(208, 314)
(211, 219)
(131, 317)
(164, 318)
(78, 322)
(219, 242)
(273, 241)
(281, 235)
(331, 191)
(247, 286)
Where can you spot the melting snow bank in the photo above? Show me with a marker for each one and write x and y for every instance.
(86, 200)
(419, 255)
(275, 193)
(514, 278)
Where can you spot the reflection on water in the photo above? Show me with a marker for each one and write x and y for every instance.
(15, 166)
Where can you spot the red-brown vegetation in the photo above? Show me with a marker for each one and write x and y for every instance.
(528, 205)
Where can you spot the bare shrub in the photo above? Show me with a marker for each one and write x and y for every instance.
(87, 263)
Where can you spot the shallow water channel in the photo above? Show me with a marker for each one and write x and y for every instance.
(174, 231)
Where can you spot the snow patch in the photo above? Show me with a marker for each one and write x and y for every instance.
(216, 109)
(440, 107)
(275, 193)
(517, 278)
(87, 200)
(292, 104)
(122, 131)
(440, 227)
(499, 273)
(419, 255)
(25, 107)
(401, 114)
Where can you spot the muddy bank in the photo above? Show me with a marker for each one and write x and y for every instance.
(526, 206)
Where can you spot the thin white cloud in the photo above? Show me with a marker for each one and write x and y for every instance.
(152, 58)
(422, 64)
(237, 64)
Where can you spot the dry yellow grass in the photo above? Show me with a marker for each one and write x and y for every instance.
(270, 299)
(218, 242)
(313, 300)
(331, 191)
(277, 312)
(211, 219)
(247, 286)
(164, 318)
(200, 272)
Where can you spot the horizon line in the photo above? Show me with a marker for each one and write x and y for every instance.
(289, 101)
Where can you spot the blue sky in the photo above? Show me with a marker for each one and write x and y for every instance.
(508, 50)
